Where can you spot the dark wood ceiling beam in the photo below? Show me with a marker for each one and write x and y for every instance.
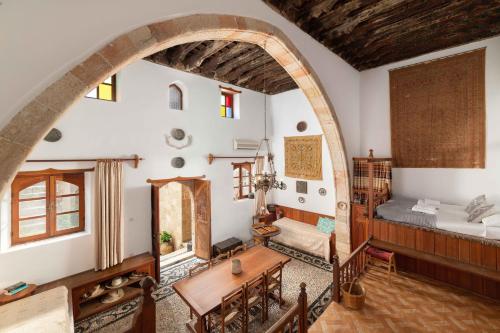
(234, 63)
(259, 61)
(231, 52)
(176, 54)
(267, 69)
(196, 59)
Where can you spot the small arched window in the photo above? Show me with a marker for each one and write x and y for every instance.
(175, 97)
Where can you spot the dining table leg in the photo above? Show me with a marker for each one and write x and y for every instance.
(201, 325)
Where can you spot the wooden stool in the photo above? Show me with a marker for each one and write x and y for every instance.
(386, 259)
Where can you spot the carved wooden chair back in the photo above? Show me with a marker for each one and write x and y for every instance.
(198, 268)
(232, 311)
(273, 284)
(255, 296)
(239, 248)
(220, 258)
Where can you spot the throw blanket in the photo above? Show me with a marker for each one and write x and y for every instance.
(399, 209)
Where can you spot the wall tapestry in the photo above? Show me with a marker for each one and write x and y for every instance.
(303, 157)
(438, 113)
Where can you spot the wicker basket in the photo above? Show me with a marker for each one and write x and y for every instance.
(353, 294)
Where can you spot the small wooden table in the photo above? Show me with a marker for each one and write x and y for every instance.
(265, 237)
(4, 299)
(203, 292)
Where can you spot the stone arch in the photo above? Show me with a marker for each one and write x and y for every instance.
(30, 124)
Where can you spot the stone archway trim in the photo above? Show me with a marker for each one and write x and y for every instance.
(30, 124)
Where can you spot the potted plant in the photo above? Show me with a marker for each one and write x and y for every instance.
(166, 245)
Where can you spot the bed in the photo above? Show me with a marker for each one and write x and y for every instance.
(443, 247)
(452, 218)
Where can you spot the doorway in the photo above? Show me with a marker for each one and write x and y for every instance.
(181, 221)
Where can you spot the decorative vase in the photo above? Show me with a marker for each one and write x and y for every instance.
(236, 266)
(166, 248)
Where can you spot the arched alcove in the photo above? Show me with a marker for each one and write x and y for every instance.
(32, 123)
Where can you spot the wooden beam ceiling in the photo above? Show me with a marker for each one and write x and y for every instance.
(241, 64)
(371, 33)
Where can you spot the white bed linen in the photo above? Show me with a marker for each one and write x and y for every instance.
(47, 312)
(304, 237)
(454, 218)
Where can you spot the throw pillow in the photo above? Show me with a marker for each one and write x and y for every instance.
(475, 203)
(326, 225)
(480, 212)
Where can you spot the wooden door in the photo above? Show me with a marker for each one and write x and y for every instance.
(202, 211)
(155, 228)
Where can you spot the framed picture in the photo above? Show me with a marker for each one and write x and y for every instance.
(301, 186)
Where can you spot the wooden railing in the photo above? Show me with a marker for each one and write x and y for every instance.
(299, 311)
(144, 320)
(351, 268)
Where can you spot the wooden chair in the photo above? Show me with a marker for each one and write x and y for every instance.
(231, 313)
(237, 249)
(195, 270)
(220, 258)
(255, 297)
(384, 259)
(198, 268)
(273, 284)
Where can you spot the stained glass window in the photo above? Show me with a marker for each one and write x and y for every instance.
(105, 91)
(226, 105)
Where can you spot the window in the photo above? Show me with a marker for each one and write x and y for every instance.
(242, 180)
(47, 204)
(228, 103)
(105, 91)
(175, 97)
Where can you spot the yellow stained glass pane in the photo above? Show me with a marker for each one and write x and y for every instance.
(105, 92)
(222, 111)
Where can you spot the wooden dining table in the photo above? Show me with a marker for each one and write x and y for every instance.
(203, 292)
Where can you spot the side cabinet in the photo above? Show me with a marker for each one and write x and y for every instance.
(359, 225)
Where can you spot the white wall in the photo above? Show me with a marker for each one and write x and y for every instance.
(448, 185)
(286, 110)
(61, 34)
(137, 124)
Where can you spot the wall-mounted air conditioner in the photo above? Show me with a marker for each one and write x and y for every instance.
(240, 144)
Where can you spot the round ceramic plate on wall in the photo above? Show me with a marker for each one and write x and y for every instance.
(301, 126)
(178, 162)
(302, 199)
(322, 191)
(178, 134)
(53, 136)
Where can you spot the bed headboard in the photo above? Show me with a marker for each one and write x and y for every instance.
(300, 215)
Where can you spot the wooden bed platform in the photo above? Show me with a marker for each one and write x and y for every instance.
(468, 262)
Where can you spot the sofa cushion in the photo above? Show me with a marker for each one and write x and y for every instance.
(326, 225)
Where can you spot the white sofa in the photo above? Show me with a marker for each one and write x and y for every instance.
(303, 236)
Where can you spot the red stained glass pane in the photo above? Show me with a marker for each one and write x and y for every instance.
(229, 100)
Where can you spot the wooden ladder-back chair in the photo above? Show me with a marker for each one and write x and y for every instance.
(273, 284)
(239, 248)
(255, 296)
(231, 313)
(220, 258)
(195, 270)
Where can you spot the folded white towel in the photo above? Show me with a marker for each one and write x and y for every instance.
(430, 202)
(421, 203)
(424, 209)
(492, 221)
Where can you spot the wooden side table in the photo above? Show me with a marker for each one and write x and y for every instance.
(265, 237)
(4, 299)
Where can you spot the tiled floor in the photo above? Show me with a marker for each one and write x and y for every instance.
(411, 305)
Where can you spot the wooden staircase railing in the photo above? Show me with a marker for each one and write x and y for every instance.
(299, 310)
(351, 268)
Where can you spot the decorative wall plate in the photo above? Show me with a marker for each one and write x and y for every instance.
(178, 134)
(178, 162)
(284, 187)
(302, 199)
(53, 136)
(342, 205)
(322, 191)
(301, 126)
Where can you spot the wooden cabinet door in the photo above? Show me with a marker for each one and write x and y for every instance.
(202, 211)
(155, 228)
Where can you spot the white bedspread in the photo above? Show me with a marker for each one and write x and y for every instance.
(304, 237)
(454, 218)
(47, 312)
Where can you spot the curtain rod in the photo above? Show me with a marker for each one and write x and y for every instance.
(211, 158)
(136, 159)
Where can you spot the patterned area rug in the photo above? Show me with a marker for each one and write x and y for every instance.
(172, 313)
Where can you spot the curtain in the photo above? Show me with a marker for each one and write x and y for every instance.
(109, 213)
(260, 195)
(382, 178)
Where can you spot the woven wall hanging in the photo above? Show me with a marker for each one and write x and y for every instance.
(303, 157)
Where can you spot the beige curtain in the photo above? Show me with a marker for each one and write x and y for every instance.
(260, 196)
(109, 213)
